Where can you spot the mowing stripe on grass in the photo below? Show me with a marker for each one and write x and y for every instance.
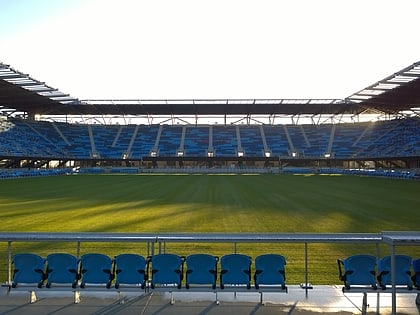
(212, 203)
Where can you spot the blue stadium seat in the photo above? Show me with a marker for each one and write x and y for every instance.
(96, 269)
(62, 268)
(170, 140)
(130, 269)
(270, 270)
(359, 270)
(402, 271)
(305, 139)
(416, 276)
(251, 141)
(201, 269)
(196, 141)
(167, 269)
(224, 140)
(21, 137)
(276, 139)
(144, 141)
(235, 270)
(28, 269)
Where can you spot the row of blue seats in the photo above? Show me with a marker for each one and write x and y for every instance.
(63, 140)
(23, 172)
(366, 270)
(202, 269)
(157, 270)
(399, 174)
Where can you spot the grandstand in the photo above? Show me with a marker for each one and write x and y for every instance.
(46, 132)
(43, 128)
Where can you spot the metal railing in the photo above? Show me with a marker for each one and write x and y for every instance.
(157, 242)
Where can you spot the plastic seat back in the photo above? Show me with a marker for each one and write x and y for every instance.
(270, 270)
(201, 269)
(359, 271)
(416, 276)
(167, 269)
(96, 269)
(130, 269)
(402, 271)
(235, 270)
(62, 268)
(28, 268)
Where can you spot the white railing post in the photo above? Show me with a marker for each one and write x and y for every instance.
(78, 250)
(9, 262)
(306, 270)
(393, 279)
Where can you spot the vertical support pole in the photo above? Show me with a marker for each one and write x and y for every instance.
(378, 251)
(172, 299)
(78, 250)
(306, 270)
(394, 291)
(77, 294)
(234, 248)
(121, 299)
(364, 304)
(76, 297)
(378, 297)
(32, 297)
(9, 262)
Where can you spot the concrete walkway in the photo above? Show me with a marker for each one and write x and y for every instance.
(320, 300)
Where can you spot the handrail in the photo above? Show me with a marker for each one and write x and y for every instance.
(75, 237)
(193, 237)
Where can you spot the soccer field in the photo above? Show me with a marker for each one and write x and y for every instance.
(225, 203)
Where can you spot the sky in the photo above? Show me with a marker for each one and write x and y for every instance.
(209, 49)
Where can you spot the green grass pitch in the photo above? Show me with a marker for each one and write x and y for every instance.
(225, 203)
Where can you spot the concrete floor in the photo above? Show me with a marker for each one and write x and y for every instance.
(320, 300)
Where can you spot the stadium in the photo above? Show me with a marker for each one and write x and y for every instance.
(43, 128)
(58, 155)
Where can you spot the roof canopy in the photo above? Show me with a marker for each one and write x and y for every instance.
(394, 94)
(398, 92)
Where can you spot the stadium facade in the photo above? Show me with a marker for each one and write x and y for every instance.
(375, 128)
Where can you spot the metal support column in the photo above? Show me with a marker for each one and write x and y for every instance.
(78, 250)
(393, 280)
(9, 259)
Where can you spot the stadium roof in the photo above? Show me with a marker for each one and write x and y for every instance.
(20, 93)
